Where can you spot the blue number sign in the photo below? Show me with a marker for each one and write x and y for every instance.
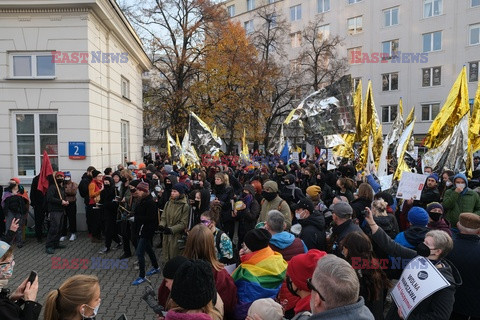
(76, 150)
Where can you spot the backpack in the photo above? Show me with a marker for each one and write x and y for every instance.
(83, 188)
(236, 257)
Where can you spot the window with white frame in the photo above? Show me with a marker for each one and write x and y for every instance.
(473, 72)
(431, 76)
(125, 140)
(354, 55)
(390, 17)
(474, 34)
(248, 26)
(34, 133)
(125, 88)
(390, 81)
(296, 39)
(324, 31)
(353, 1)
(389, 113)
(37, 65)
(296, 12)
(250, 5)
(432, 41)
(355, 25)
(323, 6)
(432, 8)
(430, 111)
(390, 48)
(231, 10)
(475, 3)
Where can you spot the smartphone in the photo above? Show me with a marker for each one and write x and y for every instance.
(32, 277)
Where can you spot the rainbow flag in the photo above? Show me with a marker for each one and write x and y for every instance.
(260, 276)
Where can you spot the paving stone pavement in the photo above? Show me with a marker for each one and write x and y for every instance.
(117, 293)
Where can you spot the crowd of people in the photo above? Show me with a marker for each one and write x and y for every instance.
(274, 241)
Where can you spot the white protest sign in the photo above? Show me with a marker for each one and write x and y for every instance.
(386, 182)
(330, 161)
(323, 154)
(411, 186)
(420, 279)
(295, 157)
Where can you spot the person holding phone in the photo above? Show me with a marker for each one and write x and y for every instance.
(21, 304)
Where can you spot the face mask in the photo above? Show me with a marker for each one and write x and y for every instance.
(298, 216)
(12, 184)
(460, 185)
(7, 271)
(435, 216)
(59, 180)
(269, 196)
(197, 204)
(68, 179)
(448, 183)
(423, 250)
(155, 181)
(95, 311)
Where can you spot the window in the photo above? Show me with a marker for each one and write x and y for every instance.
(355, 25)
(296, 12)
(389, 113)
(473, 71)
(430, 111)
(390, 48)
(35, 133)
(32, 65)
(432, 41)
(125, 88)
(354, 55)
(324, 31)
(323, 6)
(432, 8)
(296, 39)
(390, 17)
(231, 10)
(272, 20)
(475, 3)
(390, 81)
(125, 140)
(248, 25)
(250, 5)
(353, 1)
(431, 76)
(356, 82)
(271, 1)
(475, 34)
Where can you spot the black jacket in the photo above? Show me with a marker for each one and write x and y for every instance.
(428, 196)
(358, 205)
(54, 202)
(146, 217)
(83, 187)
(340, 232)
(37, 199)
(313, 231)
(10, 310)
(466, 257)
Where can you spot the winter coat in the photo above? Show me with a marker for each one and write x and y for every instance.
(437, 306)
(37, 198)
(340, 232)
(10, 310)
(175, 216)
(54, 202)
(428, 196)
(388, 223)
(276, 204)
(13, 203)
(287, 244)
(224, 195)
(83, 187)
(358, 205)
(412, 237)
(71, 191)
(173, 315)
(313, 231)
(145, 221)
(441, 224)
(466, 257)
(455, 203)
(356, 311)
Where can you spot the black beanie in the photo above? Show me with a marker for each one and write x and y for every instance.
(193, 285)
(172, 266)
(95, 173)
(257, 239)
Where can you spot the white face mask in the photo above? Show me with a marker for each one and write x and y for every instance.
(95, 311)
(298, 216)
(460, 185)
(448, 183)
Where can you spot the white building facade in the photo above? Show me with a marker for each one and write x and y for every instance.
(446, 32)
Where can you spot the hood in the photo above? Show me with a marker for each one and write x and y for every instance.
(415, 235)
(205, 200)
(282, 240)
(172, 178)
(451, 273)
(315, 219)
(181, 200)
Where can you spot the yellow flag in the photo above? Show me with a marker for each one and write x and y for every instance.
(410, 117)
(474, 127)
(402, 149)
(357, 108)
(214, 133)
(244, 143)
(169, 151)
(400, 108)
(455, 107)
(290, 116)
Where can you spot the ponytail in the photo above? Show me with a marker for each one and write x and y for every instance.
(51, 312)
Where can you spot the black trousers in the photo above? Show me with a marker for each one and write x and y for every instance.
(55, 230)
(71, 216)
(110, 220)
(39, 213)
(96, 220)
(89, 216)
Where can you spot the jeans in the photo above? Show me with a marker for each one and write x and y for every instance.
(145, 245)
(55, 230)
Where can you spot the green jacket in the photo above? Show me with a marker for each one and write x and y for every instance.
(455, 203)
(276, 204)
(175, 216)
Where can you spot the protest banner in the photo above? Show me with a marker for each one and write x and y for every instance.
(411, 186)
(295, 158)
(420, 279)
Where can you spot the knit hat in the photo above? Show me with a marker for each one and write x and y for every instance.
(67, 174)
(342, 210)
(257, 239)
(461, 176)
(433, 176)
(17, 181)
(302, 266)
(417, 216)
(172, 266)
(469, 220)
(3, 248)
(272, 185)
(143, 186)
(313, 191)
(168, 168)
(289, 179)
(59, 174)
(304, 203)
(249, 188)
(95, 173)
(266, 308)
(180, 187)
(435, 216)
(193, 285)
(134, 183)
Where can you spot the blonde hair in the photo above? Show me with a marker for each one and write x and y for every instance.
(380, 207)
(62, 303)
(208, 309)
(201, 245)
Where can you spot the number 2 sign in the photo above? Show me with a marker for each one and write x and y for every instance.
(76, 150)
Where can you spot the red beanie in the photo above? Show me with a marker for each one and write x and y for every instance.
(302, 266)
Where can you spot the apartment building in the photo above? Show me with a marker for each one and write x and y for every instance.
(409, 49)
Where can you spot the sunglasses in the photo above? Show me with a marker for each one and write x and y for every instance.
(311, 287)
(206, 222)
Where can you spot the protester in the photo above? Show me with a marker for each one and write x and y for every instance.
(224, 196)
(125, 213)
(14, 207)
(289, 191)
(283, 241)
(435, 218)
(94, 189)
(272, 201)
(343, 225)
(70, 210)
(38, 202)
(247, 214)
(265, 309)
(24, 296)
(346, 187)
(466, 257)
(76, 298)
(199, 202)
(386, 221)
(364, 199)
(83, 189)
(56, 205)
(415, 234)
(169, 269)
(109, 202)
(460, 199)
(312, 222)
(223, 244)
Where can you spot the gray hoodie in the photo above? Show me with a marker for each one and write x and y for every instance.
(356, 311)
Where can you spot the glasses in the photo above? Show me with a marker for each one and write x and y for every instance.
(311, 287)
(290, 286)
(206, 222)
(6, 263)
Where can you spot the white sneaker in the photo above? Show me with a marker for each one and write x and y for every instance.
(73, 237)
(62, 238)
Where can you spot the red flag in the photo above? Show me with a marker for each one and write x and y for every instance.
(45, 171)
